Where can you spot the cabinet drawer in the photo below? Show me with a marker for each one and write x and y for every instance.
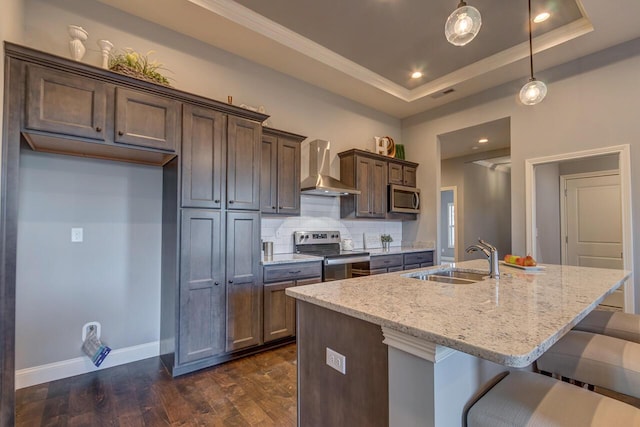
(394, 269)
(411, 266)
(418, 257)
(385, 261)
(273, 273)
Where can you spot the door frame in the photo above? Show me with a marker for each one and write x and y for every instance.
(624, 166)
(456, 214)
(563, 202)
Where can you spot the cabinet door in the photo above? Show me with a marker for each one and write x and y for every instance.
(279, 311)
(244, 289)
(202, 287)
(202, 157)
(288, 177)
(146, 120)
(378, 189)
(364, 173)
(409, 174)
(243, 164)
(395, 174)
(64, 103)
(269, 175)
(310, 281)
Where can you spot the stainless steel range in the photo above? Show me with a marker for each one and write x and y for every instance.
(337, 263)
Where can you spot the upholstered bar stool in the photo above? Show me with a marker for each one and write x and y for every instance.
(612, 323)
(529, 399)
(596, 359)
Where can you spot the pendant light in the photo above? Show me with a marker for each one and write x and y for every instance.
(534, 91)
(463, 24)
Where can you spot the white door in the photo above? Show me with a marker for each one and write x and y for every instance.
(592, 224)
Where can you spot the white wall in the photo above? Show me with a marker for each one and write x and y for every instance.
(115, 279)
(596, 107)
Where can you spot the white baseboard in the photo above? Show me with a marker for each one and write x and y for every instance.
(82, 365)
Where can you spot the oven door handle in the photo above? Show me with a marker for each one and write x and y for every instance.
(349, 260)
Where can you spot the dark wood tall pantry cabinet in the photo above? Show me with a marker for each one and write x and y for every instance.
(210, 152)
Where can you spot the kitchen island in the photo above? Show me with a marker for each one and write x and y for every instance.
(417, 352)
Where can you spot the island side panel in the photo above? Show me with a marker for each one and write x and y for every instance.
(327, 397)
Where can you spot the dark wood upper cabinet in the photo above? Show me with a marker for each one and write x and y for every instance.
(243, 163)
(402, 174)
(280, 176)
(244, 287)
(203, 165)
(395, 174)
(269, 174)
(369, 175)
(146, 120)
(64, 103)
(202, 287)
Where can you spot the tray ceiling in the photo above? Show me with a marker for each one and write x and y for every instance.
(366, 50)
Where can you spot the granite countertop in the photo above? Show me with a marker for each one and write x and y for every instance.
(398, 250)
(293, 258)
(511, 321)
(289, 259)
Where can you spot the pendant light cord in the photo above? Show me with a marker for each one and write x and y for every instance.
(530, 43)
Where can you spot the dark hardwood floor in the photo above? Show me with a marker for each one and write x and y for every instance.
(257, 390)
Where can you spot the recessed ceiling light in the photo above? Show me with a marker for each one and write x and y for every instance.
(416, 75)
(483, 141)
(541, 17)
(475, 147)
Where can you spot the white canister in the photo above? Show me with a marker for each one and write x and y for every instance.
(347, 244)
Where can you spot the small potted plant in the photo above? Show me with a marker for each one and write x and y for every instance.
(386, 241)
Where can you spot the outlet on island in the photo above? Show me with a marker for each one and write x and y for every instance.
(337, 361)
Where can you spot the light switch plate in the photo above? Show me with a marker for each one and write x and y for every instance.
(76, 235)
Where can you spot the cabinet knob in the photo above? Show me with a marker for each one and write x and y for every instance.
(216, 201)
(98, 129)
(230, 281)
(280, 207)
(273, 207)
(120, 133)
(230, 202)
(216, 283)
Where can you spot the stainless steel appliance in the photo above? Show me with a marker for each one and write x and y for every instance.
(337, 263)
(404, 199)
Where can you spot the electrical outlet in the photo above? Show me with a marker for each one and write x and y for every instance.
(76, 235)
(337, 361)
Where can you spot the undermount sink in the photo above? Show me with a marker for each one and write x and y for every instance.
(452, 276)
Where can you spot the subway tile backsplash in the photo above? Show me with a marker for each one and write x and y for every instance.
(323, 213)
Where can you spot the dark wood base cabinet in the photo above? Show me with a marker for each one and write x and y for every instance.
(279, 309)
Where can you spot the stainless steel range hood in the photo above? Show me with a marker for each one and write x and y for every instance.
(319, 182)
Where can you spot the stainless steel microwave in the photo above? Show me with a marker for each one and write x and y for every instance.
(404, 199)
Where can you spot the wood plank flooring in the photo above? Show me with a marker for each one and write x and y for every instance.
(258, 390)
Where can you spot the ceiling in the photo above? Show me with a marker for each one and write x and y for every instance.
(463, 142)
(366, 50)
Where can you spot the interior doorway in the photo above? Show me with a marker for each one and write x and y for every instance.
(594, 215)
(476, 161)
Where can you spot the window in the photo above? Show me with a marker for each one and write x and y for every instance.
(451, 215)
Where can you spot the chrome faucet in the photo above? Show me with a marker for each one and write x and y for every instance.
(491, 253)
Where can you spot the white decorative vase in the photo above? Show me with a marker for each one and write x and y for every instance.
(76, 47)
(105, 48)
